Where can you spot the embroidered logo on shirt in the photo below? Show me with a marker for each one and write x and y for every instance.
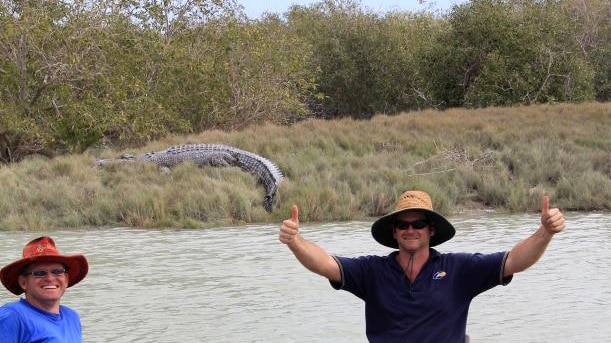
(439, 275)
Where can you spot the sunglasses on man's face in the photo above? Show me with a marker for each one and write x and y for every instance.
(416, 224)
(43, 273)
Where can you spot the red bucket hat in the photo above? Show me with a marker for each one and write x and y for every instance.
(42, 249)
(381, 229)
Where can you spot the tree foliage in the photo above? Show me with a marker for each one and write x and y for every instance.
(79, 74)
(511, 52)
(368, 62)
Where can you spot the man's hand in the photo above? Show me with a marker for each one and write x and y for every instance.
(290, 227)
(551, 219)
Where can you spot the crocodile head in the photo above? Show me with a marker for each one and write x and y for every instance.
(120, 159)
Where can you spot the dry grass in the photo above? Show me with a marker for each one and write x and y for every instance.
(504, 158)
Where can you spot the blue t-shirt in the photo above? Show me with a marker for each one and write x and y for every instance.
(21, 322)
(432, 309)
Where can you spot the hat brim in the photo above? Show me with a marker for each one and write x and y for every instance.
(382, 230)
(77, 267)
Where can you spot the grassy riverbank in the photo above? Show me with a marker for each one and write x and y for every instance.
(500, 158)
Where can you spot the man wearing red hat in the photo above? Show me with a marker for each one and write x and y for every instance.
(417, 294)
(43, 275)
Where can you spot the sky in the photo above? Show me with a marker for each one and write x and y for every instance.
(255, 8)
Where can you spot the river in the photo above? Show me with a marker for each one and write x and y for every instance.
(239, 284)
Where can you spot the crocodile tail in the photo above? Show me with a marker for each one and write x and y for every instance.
(267, 172)
(268, 203)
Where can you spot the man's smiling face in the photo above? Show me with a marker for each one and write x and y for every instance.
(410, 238)
(44, 292)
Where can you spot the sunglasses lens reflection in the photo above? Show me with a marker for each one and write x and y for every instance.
(416, 224)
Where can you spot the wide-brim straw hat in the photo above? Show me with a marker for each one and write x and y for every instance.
(43, 249)
(382, 229)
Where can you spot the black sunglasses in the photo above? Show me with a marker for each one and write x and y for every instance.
(416, 224)
(43, 273)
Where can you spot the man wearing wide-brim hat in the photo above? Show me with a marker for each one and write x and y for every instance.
(417, 294)
(43, 275)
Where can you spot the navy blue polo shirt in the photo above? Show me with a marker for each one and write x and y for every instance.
(432, 309)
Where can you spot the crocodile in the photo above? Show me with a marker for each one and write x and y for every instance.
(214, 155)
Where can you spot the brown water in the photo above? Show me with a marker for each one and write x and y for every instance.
(242, 285)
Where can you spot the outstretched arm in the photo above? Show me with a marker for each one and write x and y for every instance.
(527, 252)
(309, 254)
